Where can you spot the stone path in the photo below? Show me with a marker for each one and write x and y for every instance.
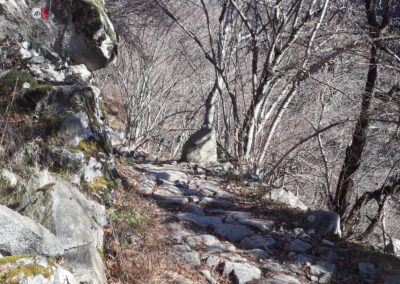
(227, 244)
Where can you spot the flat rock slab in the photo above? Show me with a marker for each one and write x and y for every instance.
(298, 246)
(257, 241)
(202, 221)
(276, 267)
(242, 272)
(168, 175)
(215, 202)
(280, 279)
(233, 232)
(86, 264)
(21, 235)
(262, 225)
(213, 190)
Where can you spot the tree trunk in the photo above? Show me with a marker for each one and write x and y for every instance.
(356, 148)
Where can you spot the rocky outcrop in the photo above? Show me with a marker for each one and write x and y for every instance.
(78, 29)
(46, 65)
(201, 147)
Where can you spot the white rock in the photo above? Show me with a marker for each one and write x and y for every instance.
(285, 197)
(21, 235)
(8, 180)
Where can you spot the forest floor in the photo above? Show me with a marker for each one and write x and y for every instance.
(169, 225)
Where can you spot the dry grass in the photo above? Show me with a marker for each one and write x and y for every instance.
(136, 241)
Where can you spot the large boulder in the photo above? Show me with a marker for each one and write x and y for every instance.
(79, 29)
(65, 211)
(393, 247)
(286, 197)
(323, 223)
(75, 220)
(201, 147)
(21, 235)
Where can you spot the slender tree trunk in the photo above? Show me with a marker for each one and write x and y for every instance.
(356, 148)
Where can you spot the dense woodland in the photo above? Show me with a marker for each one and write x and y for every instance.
(305, 93)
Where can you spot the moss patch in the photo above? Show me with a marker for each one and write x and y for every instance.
(28, 270)
(89, 148)
(14, 258)
(100, 184)
(24, 99)
(129, 217)
(90, 16)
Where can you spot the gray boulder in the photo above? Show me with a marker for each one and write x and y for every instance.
(86, 264)
(323, 223)
(393, 247)
(21, 235)
(76, 221)
(286, 197)
(323, 270)
(65, 211)
(242, 272)
(76, 128)
(201, 147)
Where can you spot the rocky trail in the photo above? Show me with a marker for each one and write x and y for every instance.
(228, 238)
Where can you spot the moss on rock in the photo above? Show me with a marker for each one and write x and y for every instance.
(28, 270)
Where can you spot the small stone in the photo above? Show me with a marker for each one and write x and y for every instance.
(181, 248)
(213, 261)
(208, 240)
(192, 258)
(208, 276)
(324, 270)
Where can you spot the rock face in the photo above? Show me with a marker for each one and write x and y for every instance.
(201, 147)
(79, 29)
(21, 235)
